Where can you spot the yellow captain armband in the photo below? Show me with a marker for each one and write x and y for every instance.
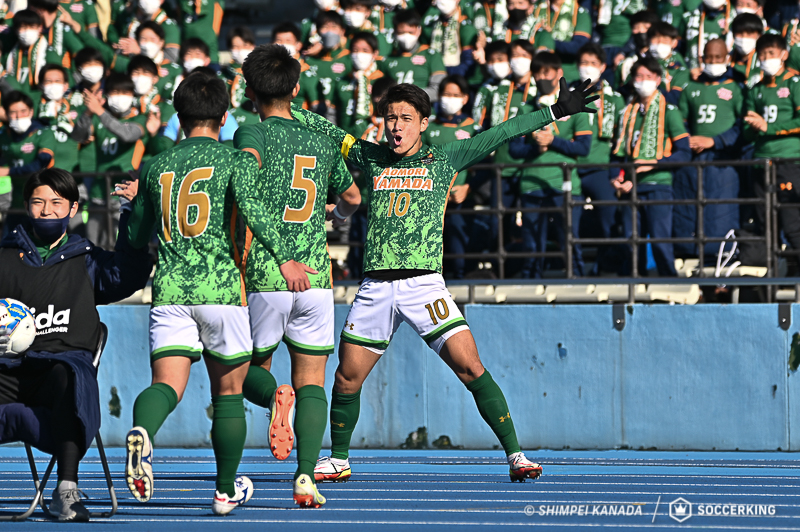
(347, 143)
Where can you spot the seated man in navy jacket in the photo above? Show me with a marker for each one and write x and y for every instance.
(52, 390)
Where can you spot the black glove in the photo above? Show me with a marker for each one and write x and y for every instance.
(572, 102)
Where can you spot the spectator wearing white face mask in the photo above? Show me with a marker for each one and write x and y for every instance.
(709, 21)
(452, 123)
(309, 32)
(449, 31)
(411, 61)
(194, 54)
(350, 100)
(128, 19)
(746, 29)
(772, 122)
(712, 107)
(650, 131)
(241, 41)
(663, 40)
(288, 35)
(333, 60)
(30, 53)
(55, 112)
(148, 100)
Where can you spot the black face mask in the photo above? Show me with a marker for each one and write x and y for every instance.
(640, 40)
(517, 16)
(545, 86)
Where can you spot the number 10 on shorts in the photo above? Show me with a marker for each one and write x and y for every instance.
(438, 309)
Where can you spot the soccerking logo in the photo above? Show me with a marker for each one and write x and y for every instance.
(680, 509)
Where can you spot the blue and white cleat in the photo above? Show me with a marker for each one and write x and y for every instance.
(139, 464)
(520, 468)
(223, 504)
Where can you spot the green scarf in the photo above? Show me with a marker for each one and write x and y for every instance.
(37, 58)
(561, 27)
(446, 39)
(607, 111)
(650, 143)
(608, 8)
(363, 108)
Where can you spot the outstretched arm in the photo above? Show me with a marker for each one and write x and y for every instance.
(465, 153)
(351, 147)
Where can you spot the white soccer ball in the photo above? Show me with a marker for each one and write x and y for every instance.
(16, 317)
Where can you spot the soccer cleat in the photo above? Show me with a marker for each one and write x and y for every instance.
(281, 433)
(332, 470)
(139, 464)
(66, 504)
(223, 505)
(522, 468)
(306, 494)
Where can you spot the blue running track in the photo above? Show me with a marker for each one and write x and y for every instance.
(395, 490)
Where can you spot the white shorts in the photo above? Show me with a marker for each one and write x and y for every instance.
(221, 332)
(304, 320)
(381, 306)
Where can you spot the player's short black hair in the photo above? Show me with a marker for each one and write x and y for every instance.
(46, 5)
(407, 16)
(770, 40)
(142, 62)
(206, 71)
(287, 27)
(193, 43)
(27, 17)
(662, 29)
(118, 82)
(592, 48)
(410, 94)
(243, 32)
(747, 23)
(15, 97)
(545, 60)
(367, 37)
(88, 55)
(53, 66)
(60, 181)
(648, 62)
(329, 16)
(457, 80)
(497, 47)
(152, 26)
(525, 45)
(201, 101)
(271, 73)
(646, 17)
(381, 86)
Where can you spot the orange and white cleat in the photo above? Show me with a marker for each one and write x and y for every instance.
(281, 424)
(521, 468)
(332, 470)
(306, 494)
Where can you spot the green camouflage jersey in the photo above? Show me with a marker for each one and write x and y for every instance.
(299, 167)
(190, 193)
(415, 67)
(778, 101)
(711, 108)
(408, 196)
(440, 132)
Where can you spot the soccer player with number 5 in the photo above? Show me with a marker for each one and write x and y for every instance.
(191, 193)
(410, 184)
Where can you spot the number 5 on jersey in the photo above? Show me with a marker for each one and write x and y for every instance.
(303, 214)
(186, 200)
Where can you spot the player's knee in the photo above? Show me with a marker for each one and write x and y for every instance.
(343, 384)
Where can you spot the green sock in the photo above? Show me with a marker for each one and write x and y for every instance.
(153, 406)
(259, 386)
(228, 432)
(494, 410)
(311, 413)
(345, 408)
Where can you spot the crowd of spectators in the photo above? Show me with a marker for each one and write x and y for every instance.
(87, 87)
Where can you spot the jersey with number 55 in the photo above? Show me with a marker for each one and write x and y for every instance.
(191, 192)
(298, 168)
(711, 108)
